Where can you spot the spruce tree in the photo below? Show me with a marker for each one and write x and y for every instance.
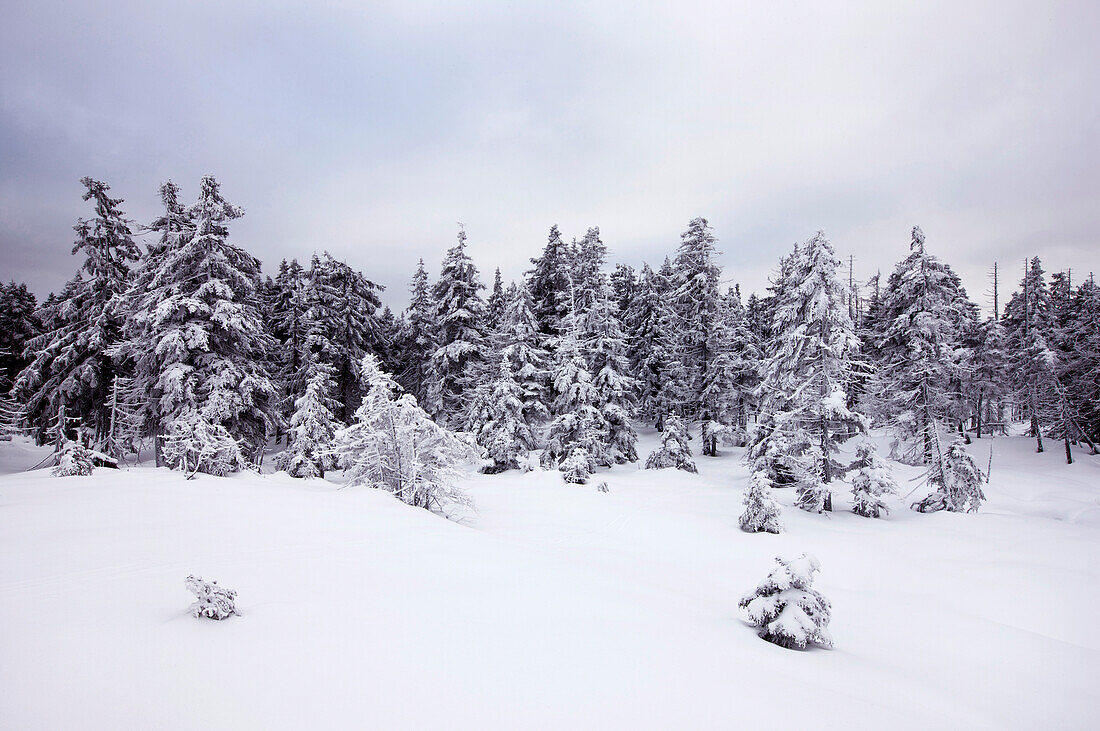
(925, 312)
(198, 343)
(577, 438)
(674, 450)
(956, 480)
(344, 326)
(71, 361)
(786, 608)
(520, 343)
(549, 287)
(761, 510)
(460, 323)
(18, 324)
(615, 388)
(803, 392)
(871, 481)
(312, 427)
(418, 339)
(505, 435)
(495, 305)
(697, 302)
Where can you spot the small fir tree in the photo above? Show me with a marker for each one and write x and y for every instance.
(761, 510)
(312, 428)
(787, 609)
(871, 481)
(674, 450)
(505, 435)
(957, 481)
(74, 459)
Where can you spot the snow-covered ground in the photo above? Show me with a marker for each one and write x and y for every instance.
(558, 607)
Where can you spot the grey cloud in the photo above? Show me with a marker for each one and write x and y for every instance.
(370, 129)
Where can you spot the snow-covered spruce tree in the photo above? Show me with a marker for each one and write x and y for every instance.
(577, 467)
(460, 322)
(746, 355)
(312, 427)
(549, 288)
(418, 339)
(343, 325)
(761, 510)
(18, 324)
(696, 301)
(813, 356)
(519, 342)
(290, 327)
(197, 341)
(624, 286)
(915, 387)
(986, 373)
(650, 341)
(495, 304)
(394, 445)
(956, 481)
(588, 257)
(674, 450)
(787, 609)
(70, 361)
(505, 435)
(1078, 370)
(74, 459)
(719, 394)
(173, 226)
(871, 481)
(579, 425)
(194, 442)
(615, 389)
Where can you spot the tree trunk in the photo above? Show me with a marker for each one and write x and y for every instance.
(978, 418)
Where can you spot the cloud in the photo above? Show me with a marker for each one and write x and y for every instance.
(369, 130)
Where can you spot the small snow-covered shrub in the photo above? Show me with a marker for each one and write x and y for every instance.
(577, 467)
(761, 510)
(872, 480)
(787, 609)
(394, 445)
(214, 602)
(73, 459)
(958, 482)
(674, 450)
(194, 443)
(602, 487)
(712, 432)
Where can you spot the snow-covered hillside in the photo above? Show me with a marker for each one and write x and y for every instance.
(559, 606)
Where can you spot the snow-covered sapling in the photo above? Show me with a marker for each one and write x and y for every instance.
(958, 483)
(872, 480)
(761, 510)
(674, 450)
(602, 487)
(73, 459)
(214, 602)
(312, 428)
(786, 608)
(195, 443)
(577, 467)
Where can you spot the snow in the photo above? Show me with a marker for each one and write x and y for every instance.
(557, 606)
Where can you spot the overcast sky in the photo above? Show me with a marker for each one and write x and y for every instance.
(370, 129)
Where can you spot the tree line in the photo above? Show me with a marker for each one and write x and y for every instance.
(186, 346)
